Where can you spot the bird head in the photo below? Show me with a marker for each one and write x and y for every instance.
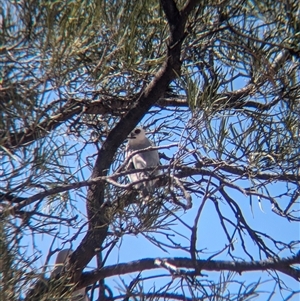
(138, 134)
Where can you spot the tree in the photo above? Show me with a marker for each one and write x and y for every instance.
(217, 86)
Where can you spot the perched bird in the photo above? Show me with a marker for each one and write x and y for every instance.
(138, 141)
(61, 261)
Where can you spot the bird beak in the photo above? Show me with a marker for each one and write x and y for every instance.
(131, 136)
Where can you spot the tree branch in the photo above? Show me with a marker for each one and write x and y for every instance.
(182, 171)
(178, 266)
(283, 265)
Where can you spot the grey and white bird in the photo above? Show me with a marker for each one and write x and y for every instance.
(60, 263)
(137, 140)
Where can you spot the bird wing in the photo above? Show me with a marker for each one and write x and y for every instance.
(152, 158)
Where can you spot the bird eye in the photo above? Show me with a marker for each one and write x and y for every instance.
(137, 131)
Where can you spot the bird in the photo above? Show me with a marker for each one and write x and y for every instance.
(60, 263)
(137, 140)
